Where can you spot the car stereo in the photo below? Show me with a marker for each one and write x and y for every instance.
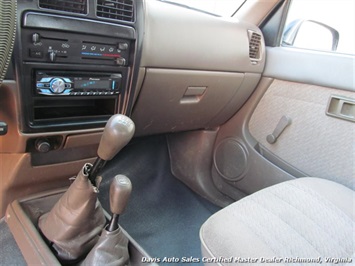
(53, 83)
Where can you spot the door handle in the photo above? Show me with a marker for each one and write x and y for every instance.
(341, 107)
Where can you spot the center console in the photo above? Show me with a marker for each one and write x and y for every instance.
(22, 219)
(76, 60)
(75, 66)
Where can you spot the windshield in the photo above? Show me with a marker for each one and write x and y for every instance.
(224, 8)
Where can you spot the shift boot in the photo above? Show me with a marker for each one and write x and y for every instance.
(110, 250)
(76, 220)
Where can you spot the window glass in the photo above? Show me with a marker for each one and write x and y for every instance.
(224, 8)
(327, 25)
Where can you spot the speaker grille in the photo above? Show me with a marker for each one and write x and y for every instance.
(230, 159)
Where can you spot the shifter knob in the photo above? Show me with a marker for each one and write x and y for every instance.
(120, 190)
(118, 132)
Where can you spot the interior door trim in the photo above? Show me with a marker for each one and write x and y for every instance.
(312, 67)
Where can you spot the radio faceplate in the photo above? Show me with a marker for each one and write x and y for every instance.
(53, 83)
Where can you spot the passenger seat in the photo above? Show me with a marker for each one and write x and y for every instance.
(291, 222)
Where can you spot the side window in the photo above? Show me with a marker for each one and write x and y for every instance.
(325, 25)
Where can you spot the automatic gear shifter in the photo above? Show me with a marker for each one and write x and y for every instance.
(74, 223)
(112, 247)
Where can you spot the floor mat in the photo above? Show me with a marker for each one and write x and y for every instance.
(10, 254)
(163, 215)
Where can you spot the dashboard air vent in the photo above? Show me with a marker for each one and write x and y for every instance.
(73, 6)
(254, 45)
(116, 9)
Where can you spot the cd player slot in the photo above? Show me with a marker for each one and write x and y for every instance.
(76, 108)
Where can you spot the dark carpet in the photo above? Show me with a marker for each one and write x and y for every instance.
(163, 215)
(10, 254)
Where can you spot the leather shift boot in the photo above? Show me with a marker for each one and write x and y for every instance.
(76, 220)
(111, 250)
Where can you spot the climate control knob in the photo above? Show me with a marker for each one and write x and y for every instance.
(57, 85)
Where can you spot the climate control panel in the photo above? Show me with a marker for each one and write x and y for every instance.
(46, 46)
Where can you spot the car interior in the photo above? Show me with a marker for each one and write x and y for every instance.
(151, 132)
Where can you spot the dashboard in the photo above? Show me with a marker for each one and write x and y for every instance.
(76, 63)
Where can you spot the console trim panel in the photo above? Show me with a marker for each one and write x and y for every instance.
(21, 219)
(65, 23)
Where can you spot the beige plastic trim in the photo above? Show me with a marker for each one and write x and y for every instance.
(18, 178)
(34, 249)
(31, 244)
(341, 107)
(180, 38)
(261, 173)
(255, 11)
(80, 140)
(311, 67)
(10, 114)
(315, 143)
(140, 79)
(163, 105)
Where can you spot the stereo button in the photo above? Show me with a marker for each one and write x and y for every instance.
(45, 79)
(36, 53)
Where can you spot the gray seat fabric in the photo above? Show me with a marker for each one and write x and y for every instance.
(298, 220)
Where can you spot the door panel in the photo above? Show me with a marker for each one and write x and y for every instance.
(314, 143)
(298, 84)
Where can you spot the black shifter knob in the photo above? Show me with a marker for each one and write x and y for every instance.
(120, 191)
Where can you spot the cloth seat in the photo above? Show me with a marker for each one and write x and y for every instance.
(291, 222)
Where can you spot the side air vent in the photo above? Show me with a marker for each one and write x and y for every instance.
(121, 10)
(73, 6)
(254, 46)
